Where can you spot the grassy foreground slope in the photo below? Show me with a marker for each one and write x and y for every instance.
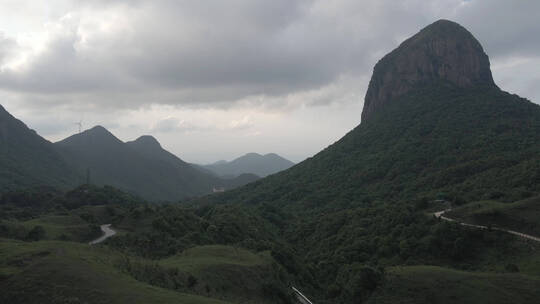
(65, 272)
(231, 273)
(196, 259)
(430, 284)
(66, 227)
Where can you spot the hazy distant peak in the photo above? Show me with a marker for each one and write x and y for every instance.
(219, 162)
(254, 163)
(252, 154)
(272, 155)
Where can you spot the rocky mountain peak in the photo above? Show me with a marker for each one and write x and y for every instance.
(442, 51)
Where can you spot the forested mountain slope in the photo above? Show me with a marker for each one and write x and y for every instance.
(435, 128)
(26, 159)
(438, 137)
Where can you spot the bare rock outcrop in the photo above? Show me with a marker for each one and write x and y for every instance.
(442, 51)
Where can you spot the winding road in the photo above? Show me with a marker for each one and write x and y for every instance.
(300, 297)
(440, 215)
(107, 233)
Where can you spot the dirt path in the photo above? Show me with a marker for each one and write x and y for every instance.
(107, 233)
(440, 215)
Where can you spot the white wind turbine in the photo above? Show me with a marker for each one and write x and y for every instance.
(79, 124)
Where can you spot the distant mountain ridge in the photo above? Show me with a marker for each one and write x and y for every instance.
(141, 166)
(254, 163)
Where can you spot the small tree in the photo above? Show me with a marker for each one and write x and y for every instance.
(511, 268)
(191, 281)
(37, 233)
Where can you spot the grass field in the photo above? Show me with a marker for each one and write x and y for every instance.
(522, 216)
(65, 272)
(230, 273)
(198, 258)
(430, 284)
(65, 226)
(70, 227)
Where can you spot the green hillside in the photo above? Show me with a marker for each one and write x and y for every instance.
(28, 160)
(438, 141)
(429, 284)
(359, 204)
(522, 216)
(199, 258)
(63, 272)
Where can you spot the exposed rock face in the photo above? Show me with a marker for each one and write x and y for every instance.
(442, 51)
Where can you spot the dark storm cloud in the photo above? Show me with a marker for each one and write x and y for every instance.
(131, 53)
(201, 51)
(505, 28)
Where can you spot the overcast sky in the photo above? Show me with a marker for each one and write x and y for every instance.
(217, 79)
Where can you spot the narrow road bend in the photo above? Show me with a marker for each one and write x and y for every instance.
(300, 297)
(107, 233)
(440, 214)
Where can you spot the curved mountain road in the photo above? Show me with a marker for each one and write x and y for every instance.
(301, 297)
(107, 233)
(440, 214)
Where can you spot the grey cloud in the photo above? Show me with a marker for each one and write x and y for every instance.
(174, 125)
(8, 47)
(234, 49)
(218, 52)
(166, 126)
(177, 125)
(505, 28)
(48, 127)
